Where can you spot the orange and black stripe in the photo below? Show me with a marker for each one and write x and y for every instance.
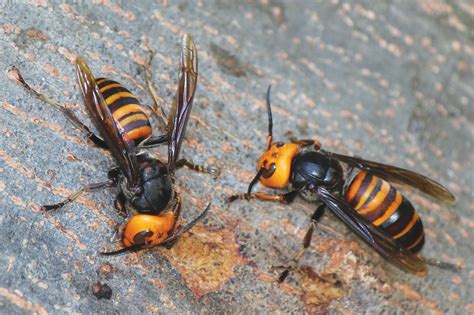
(386, 207)
(125, 109)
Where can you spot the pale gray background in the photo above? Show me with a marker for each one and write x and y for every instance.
(390, 81)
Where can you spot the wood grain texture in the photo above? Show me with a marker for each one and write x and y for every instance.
(391, 82)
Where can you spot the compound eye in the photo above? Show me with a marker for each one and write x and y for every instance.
(141, 238)
(267, 173)
(279, 144)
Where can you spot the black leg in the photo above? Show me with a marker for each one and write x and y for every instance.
(66, 111)
(88, 188)
(306, 242)
(318, 214)
(198, 168)
(98, 141)
(285, 198)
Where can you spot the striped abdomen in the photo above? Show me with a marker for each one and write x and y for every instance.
(384, 206)
(125, 109)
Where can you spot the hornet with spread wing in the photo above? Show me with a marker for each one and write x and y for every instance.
(366, 201)
(147, 185)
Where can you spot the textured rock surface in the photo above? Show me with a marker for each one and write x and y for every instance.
(388, 81)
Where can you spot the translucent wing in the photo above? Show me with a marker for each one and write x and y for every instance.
(188, 74)
(399, 175)
(378, 239)
(122, 148)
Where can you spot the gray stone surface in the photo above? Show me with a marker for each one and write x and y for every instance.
(390, 81)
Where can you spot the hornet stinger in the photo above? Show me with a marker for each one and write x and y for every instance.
(364, 200)
(146, 185)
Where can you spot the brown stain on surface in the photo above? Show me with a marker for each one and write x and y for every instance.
(346, 266)
(337, 257)
(319, 290)
(206, 258)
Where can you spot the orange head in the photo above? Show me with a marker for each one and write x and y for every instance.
(146, 230)
(276, 164)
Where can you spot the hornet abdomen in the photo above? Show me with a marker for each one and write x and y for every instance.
(384, 206)
(125, 109)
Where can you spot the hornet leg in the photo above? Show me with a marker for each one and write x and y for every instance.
(285, 198)
(306, 242)
(198, 168)
(66, 111)
(156, 108)
(71, 198)
(303, 142)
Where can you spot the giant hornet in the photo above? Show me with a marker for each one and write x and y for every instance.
(147, 185)
(365, 201)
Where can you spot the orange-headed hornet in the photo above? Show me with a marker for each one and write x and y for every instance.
(147, 185)
(365, 201)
